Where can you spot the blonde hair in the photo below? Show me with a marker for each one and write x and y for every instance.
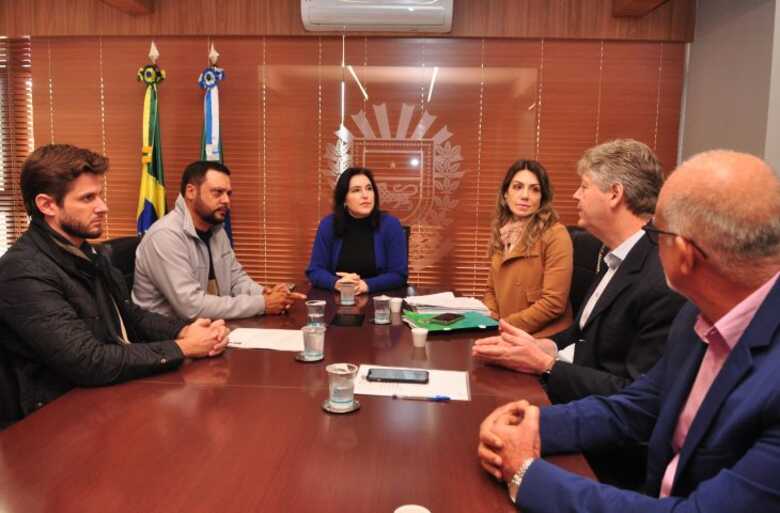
(629, 163)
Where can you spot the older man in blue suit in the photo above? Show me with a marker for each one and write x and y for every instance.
(710, 408)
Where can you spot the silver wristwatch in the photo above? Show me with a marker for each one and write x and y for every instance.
(514, 485)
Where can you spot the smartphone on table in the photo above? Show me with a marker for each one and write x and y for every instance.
(446, 318)
(419, 377)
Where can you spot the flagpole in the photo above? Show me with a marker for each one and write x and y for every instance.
(211, 138)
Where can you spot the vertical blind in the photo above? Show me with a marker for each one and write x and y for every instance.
(17, 136)
(440, 122)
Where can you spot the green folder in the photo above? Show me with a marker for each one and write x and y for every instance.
(470, 321)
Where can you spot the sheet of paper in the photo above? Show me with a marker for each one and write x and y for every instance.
(453, 384)
(256, 338)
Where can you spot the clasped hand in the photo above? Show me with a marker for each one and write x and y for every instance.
(508, 437)
(515, 349)
(279, 299)
(360, 285)
(203, 337)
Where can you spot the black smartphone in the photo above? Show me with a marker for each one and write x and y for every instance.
(398, 376)
(446, 318)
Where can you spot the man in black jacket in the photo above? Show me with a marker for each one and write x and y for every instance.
(66, 318)
(620, 331)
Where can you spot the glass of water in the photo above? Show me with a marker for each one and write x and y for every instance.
(381, 310)
(316, 311)
(347, 294)
(313, 342)
(341, 384)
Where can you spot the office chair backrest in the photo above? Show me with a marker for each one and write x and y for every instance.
(121, 254)
(10, 409)
(586, 255)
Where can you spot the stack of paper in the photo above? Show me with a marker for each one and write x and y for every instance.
(445, 302)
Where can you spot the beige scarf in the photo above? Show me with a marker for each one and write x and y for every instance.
(511, 233)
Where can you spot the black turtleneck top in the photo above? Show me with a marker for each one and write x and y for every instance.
(357, 248)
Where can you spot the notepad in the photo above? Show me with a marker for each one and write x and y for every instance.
(257, 338)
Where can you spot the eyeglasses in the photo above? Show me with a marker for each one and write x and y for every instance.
(653, 232)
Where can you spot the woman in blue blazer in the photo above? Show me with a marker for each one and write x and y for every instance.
(358, 243)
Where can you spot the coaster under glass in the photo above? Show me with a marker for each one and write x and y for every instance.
(309, 358)
(306, 358)
(328, 408)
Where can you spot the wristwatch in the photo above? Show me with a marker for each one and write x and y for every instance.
(544, 377)
(514, 485)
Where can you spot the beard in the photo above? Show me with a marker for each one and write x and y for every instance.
(213, 217)
(80, 230)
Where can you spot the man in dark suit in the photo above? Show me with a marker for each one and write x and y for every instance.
(710, 409)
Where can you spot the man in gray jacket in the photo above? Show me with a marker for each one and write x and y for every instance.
(185, 265)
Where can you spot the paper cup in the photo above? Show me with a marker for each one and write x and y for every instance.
(419, 336)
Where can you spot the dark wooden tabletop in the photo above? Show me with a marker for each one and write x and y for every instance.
(245, 433)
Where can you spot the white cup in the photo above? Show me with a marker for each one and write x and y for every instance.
(395, 304)
(411, 508)
(419, 335)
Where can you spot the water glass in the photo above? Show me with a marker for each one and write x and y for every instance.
(313, 341)
(347, 294)
(382, 310)
(341, 384)
(316, 311)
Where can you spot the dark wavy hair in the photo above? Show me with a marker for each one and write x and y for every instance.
(340, 195)
(540, 220)
(52, 168)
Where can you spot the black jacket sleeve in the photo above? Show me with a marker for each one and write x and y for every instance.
(48, 329)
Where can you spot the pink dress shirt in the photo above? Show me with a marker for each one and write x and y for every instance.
(720, 339)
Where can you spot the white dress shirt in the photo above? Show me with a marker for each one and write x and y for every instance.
(613, 259)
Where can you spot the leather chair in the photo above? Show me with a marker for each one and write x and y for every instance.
(586, 264)
(408, 233)
(121, 253)
(10, 409)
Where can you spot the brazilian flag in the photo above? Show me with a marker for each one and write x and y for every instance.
(151, 199)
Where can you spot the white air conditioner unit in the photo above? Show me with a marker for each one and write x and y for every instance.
(377, 15)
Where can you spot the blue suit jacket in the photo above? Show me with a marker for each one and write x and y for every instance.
(730, 460)
(389, 252)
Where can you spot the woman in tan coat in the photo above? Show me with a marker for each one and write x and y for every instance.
(530, 253)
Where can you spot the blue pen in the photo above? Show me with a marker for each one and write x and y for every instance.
(432, 398)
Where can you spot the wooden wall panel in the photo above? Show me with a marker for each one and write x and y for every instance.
(669, 104)
(629, 90)
(572, 19)
(497, 99)
(570, 109)
(290, 122)
(43, 124)
(124, 96)
(69, 109)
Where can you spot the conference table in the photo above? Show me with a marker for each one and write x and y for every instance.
(245, 432)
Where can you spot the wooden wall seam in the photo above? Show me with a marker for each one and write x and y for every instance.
(552, 19)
